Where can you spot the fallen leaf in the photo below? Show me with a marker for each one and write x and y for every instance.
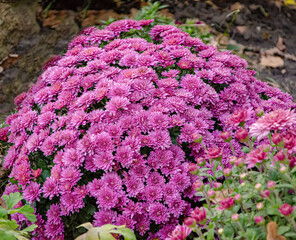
(236, 6)
(280, 44)
(242, 29)
(272, 232)
(271, 61)
(220, 195)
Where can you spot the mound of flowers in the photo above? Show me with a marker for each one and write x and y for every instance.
(109, 130)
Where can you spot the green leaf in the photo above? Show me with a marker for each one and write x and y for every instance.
(251, 233)
(8, 224)
(105, 236)
(127, 233)
(93, 234)
(232, 47)
(3, 212)
(45, 174)
(290, 234)
(29, 229)
(283, 229)
(216, 164)
(205, 175)
(228, 230)
(12, 199)
(287, 185)
(245, 149)
(87, 225)
(210, 234)
(28, 211)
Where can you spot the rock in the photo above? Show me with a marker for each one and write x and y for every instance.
(18, 21)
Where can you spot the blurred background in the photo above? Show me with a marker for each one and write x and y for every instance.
(31, 32)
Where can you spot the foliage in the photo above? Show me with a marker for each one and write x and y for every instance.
(106, 232)
(9, 228)
(256, 197)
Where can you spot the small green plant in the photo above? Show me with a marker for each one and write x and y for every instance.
(9, 229)
(105, 232)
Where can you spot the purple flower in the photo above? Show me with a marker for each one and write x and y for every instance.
(158, 213)
(32, 192)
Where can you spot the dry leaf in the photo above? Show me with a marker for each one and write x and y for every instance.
(220, 195)
(271, 61)
(236, 6)
(272, 232)
(280, 44)
(242, 29)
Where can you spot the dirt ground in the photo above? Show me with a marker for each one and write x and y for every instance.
(263, 32)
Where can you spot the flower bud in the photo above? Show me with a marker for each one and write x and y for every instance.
(243, 184)
(258, 186)
(37, 173)
(237, 197)
(211, 193)
(227, 172)
(189, 221)
(232, 159)
(242, 135)
(214, 153)
(260, 206)
(259, 112)
(239, 162)
(265, 193)
(193, 169)
(235, 217)
(280, 156)
(243, 176)
(197, 138)
(201, 162)
(271, 185)
(217, 185)
(277, 138)
(286, 209)
(220, 231)
(283, 169)
(259, 220)
(198, 185)
(225, 136)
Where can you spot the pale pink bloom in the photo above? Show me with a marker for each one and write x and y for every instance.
(180, 233)
(276, 120)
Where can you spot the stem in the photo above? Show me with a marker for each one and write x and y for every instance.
(208, 202)
(199, 232)
(232, 148)
(293, 223)
(240, 226)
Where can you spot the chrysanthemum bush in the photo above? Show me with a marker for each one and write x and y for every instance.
(109, 130)
(255, 199)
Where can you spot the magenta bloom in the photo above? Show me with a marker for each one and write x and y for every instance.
(226, 203)
(199, 214)
(240, 116)
(214, 153)
(259, 220)
(256, 156)
(286, 209)
(275, 120)
(112, 120)
(158, 213)
(32, 192)
(180, 233)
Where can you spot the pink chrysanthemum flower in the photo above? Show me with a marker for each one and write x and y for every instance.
(32, 192)
(275, 120)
